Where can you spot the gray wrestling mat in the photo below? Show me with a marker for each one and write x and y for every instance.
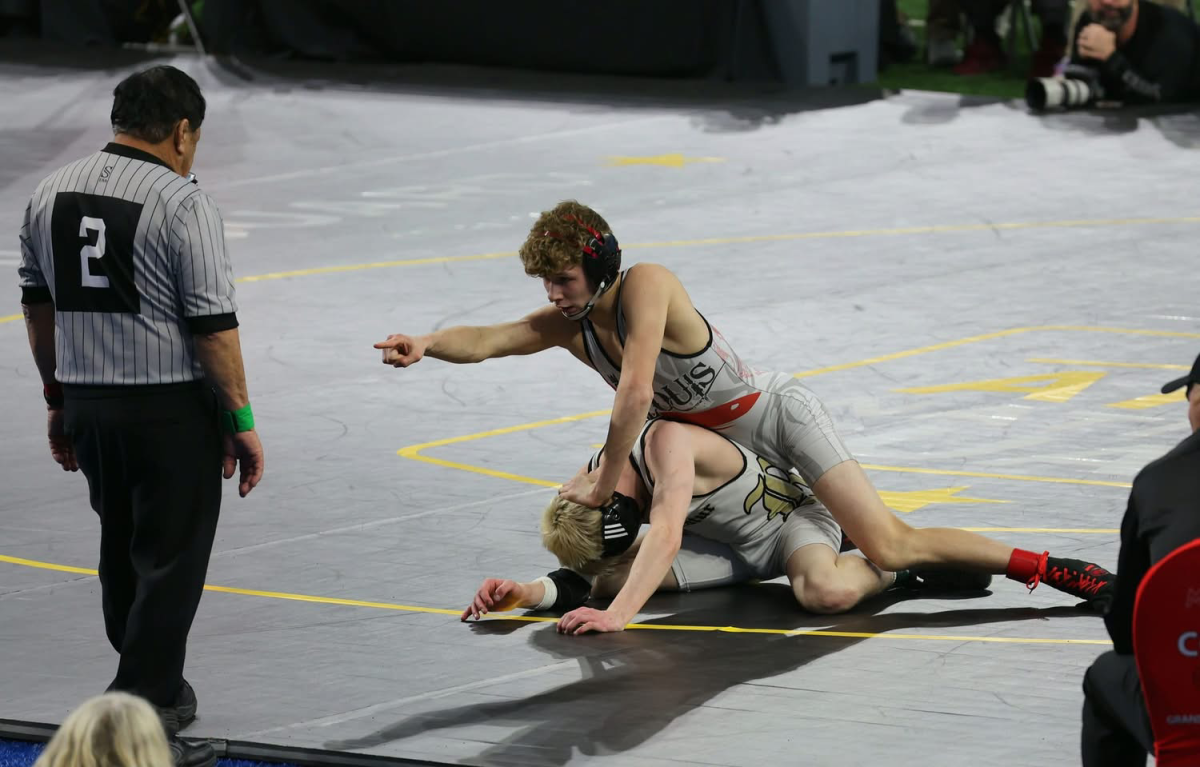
(987, 302)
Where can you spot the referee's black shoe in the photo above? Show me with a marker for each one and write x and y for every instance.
(182, 712)
(185, 705)
(191, 753)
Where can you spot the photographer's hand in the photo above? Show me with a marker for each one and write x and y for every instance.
(1097, 42)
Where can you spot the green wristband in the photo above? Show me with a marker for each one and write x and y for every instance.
(241, 419)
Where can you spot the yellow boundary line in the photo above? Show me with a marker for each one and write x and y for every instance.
(375, 265)
(745, 239)
(541, 619)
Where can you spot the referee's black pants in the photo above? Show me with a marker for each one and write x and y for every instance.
(1116, 725)
(152, 458)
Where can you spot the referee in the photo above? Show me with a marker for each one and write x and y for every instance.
(129, 304)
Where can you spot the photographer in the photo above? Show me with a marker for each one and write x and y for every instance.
(1140, 52)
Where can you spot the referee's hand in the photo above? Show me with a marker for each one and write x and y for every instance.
(61, 448)
(245, 450)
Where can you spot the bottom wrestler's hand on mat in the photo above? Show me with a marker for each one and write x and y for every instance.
(587, 619)
(495, 594)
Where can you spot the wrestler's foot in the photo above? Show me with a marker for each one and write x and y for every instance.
(1084, 580)
(943, 580)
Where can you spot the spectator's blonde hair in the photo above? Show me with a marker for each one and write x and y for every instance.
(571, 532)
(111, 730)
(544, 255)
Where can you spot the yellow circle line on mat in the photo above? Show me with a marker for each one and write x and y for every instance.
(990, 475)
(540, 619)
(1095, 363)
(989, 336)
(414, 452)
(1084, 530)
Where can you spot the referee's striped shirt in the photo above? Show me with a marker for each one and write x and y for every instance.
(133, 257)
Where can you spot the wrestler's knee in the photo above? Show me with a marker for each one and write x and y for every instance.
(608, 585)
(825, 594)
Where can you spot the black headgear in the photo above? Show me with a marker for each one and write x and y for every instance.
(620, 520)
(601, 262)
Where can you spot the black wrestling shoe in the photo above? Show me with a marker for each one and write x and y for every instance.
(945, 580)
(1083, 580)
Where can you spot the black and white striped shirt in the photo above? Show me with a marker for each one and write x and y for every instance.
(133, 257)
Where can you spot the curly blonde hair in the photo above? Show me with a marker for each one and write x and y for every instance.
(111, 730)
(556, 239)
(571, 532)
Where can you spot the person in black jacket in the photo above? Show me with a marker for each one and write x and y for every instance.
(1163, 515)
(1143, 52)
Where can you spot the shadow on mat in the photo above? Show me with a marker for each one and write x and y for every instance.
(635, 683)
(1177, 123)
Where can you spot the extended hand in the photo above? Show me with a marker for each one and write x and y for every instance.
(1097, 42)
(495, 594)
(61, 448)
(587, 619)
(400, 350)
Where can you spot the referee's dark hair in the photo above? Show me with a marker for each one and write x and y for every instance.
(149, 104)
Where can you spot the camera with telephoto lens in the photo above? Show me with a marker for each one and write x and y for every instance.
(1078, 86)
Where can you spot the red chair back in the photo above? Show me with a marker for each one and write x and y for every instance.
(1166, 645)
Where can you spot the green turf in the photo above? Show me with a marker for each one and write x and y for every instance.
(916, 75)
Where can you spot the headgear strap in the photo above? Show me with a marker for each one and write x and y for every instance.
(620, 520)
